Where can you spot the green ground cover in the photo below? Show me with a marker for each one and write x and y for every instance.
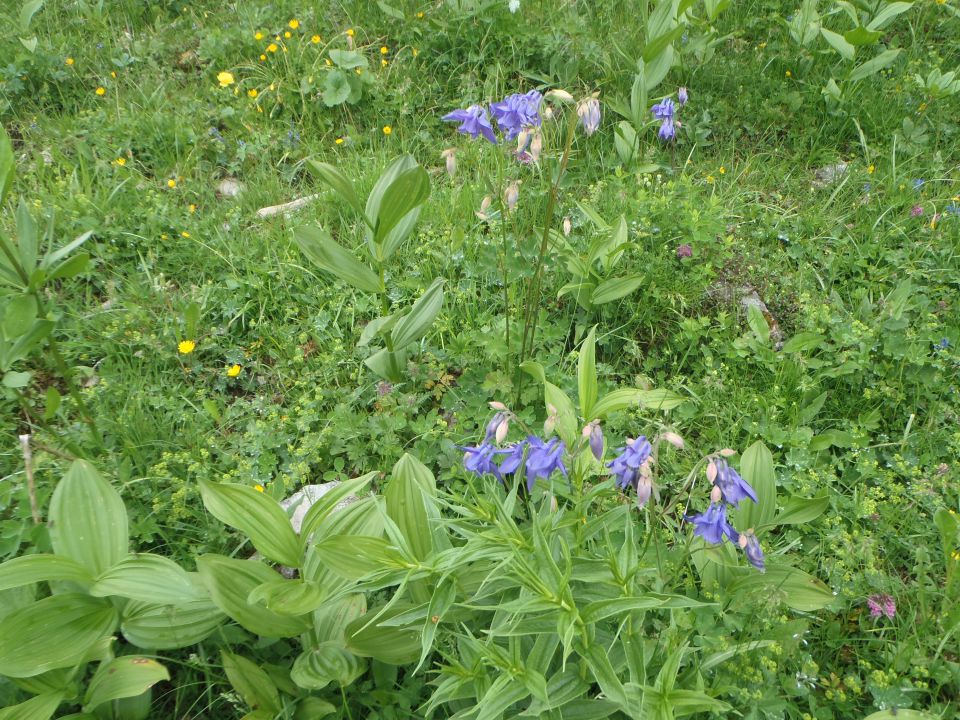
(781, 278)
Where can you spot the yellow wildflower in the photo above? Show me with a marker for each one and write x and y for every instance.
(121, 161)
(225, 79)
(287, 34)
(723, 170)
(339, 141)
(871, 169)
(315, 39)
(420, 14)
(252, 92)
(384, 50)
(258, 35)
(789, 74)
(163, 236)
(192, 208)
(185, 234)
(233, 370)
(171, 183)
(272, 47)
(350, 32)
(68, 61)
(415, 52)
(101, 91)
(185, 347)
(711, 179)
(387, 129)
(384, 63)
(112, 74)
(262, 57)
(258, 487)
(293, 24)
(328, 62)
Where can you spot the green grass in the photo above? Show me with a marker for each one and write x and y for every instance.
(866, 414)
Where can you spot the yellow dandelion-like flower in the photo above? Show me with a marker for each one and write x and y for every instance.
(225, 79)
(871, 169)
(262, 57)
(359, 71)
(163, 236)
(185, 347)
(384, 50)
(272, 47)
(293, 24)
(350, 32)
(420, 14)
(192, 208)
(788, 74)
(171, 183)
(723, 170)
(113, 74)
(233, 370)
(415, 52)
(384, 63)
(711, 179)
(287, 34)
(387, 130)
(68, 61)
(328, 62)
(339, 141)
(762, 45)
(259, 488)
(185, 234)
(252, 92)
(121, 161)
(315, 39)
(101, 91)
(258, 35)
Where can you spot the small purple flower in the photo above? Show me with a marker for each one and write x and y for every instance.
(683, 95)
(543, 459)
(943, 344)
(916, 211)
(733, 487)
(473, 122)
(479, 460)
(684, 251)
(493, 426)
(664, 111)
(712, 525)
(589, 113)
(596, 440)
(882, 605)
(751, 546)
(918, 183)
(513, 456)
(626, 466)
(516, 112)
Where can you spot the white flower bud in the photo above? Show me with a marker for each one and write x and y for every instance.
(559, 95)
(484, 206)
(450, 155)
(712, 471)
(497, 405)
(715, 494)
(502, 429)
(673, 439)
(567, 226)
(727, 452)
(511, 195)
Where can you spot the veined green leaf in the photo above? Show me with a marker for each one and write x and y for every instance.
(148, 578)
(615, 288)
(40, 707)
(340, 183)
(165, 627)
(7, 164)
(410, 488)
(756, 467)
(628, 397)
(587, 373)
(874, 65)
(30, 569)
(251, 682)
(122, 677)
(328, 662)
(795, 588)
(415, 323)
(326, 254)
(322, 507)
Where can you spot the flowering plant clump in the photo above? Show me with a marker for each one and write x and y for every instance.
(668, 113)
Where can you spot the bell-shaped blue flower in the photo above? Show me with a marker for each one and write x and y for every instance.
(712, 525)
(627, 463)
(733, 487)
(516, 112)
(473, 121)
(543, 458)
(479, 460)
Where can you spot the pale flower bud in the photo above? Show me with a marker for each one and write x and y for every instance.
(712, 471)
(523, 138)
(559, 95)
(497, 405)
(673, 439)
(502, 429)
(727, 452)
(715, 495)
(536, 145)
(567, 226)
(547, 113)
(644, 489)
(450, 155)
(484, 206)
(511, 195)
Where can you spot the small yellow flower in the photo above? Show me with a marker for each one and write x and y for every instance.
(101, 91)
(258, 487)
(68, 61)
(171, 183)
(258, 35)
(293, 24)
(121, 161)
(185, 347)
(272, 47)
(185, 234)
(359, 71)
(384, 63)
(723, 170)
(788, 74)
(113, 74)
(871, 169)
(420, 14)
(762, 45)
(192, 208)
(387, 130)
(163, 236)
(711, 179)
(225, 79)
(350, 32)
(339, 141)
(941, 2)
(287, 34)
(233, 370)
(262, 57)
(384, 50)
(315, 39)
(328, 62)
(415, 52)
(252, 92)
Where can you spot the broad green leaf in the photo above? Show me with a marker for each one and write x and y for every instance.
(652, 50)
(383, 246)
(615, 288)
(330, 621)
(902, 714)
(7, 164)
(30, 569)
(415, 323)
(688, 702)
(860, 36)
(56, 632)
(289, 597)
(593, 216)
(795, 588)
(322, 507)
(348, 59)
(326, 254)
(601, 609)
(830, 438)
(122, 677)
(340, 183)
(27, 11)
(407, 191)
(256, 515)
(503, 692)
(378, 326)
(88, 522)
(599, 663)
(587, 373)
(803, 342)
(622, 399)
(888, 13)
(356, 556)
(148, 578)
(389, 365)
(839, 43)
(251, 682)
(27, 237)
(25, 343)
(313, 708)
(410, 488)
(758, 323)
(62, 252)
(874, 65)
(802, 510)
(756, 467)
(165, 627)
(40, 707)
(71, 267)
(20, 313)
(336, 88)
(328, 662)
(16, 380)
(372, 638)
(230, 583)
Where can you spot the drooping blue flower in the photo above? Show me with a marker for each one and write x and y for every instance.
(627, 463)
(543, 459)
(733, 487)
(479, 460)
(493, 426)
(473, 121)
(712, 525)
(516, 112)
(596, 440)
(683, 95)
(513, 457)
(754, 553)
(664, 111)
(589, 113)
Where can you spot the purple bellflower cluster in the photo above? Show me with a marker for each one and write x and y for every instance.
(631, 468)
(513, 114)
(729, 489)
(668, 113)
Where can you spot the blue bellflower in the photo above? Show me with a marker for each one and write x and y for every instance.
(473, 122)
(626, 465)
(516, 112)
(712, 525)
(733, 487)
(664, 111)
(543, 459)
(479, 460)
(751, 546)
